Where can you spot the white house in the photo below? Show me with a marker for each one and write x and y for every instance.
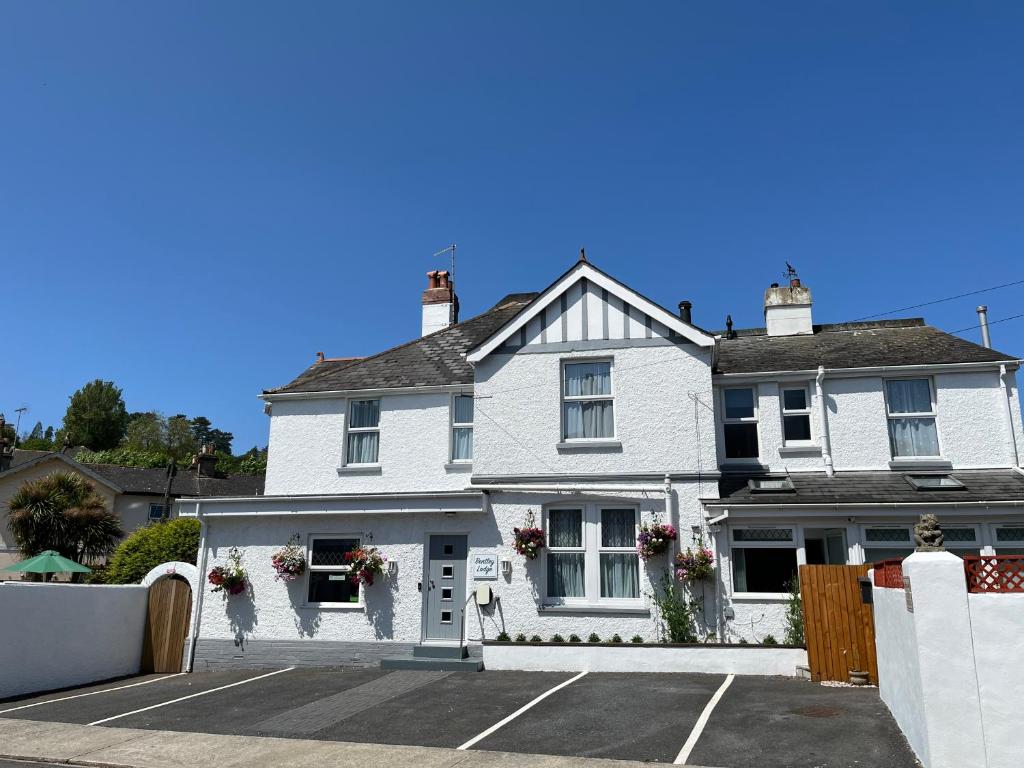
(591, 410)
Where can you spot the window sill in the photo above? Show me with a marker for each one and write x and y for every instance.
(742, 465)
(361, 469)
(571, 446)
(920, 463)
(335, 606)
(594, 608)
(458, 466)
(796, 449)
(761, 597)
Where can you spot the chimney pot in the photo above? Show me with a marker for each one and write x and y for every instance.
(440, 304)
(794, 282)
(685, 311)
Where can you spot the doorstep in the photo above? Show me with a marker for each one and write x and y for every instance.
(435, 657)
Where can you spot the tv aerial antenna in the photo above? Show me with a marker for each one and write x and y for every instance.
(450, 249)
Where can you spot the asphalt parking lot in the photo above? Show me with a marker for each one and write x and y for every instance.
(707, 720)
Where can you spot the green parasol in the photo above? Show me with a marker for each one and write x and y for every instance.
(49, 561)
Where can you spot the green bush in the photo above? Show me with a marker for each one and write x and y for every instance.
(536, 639)
(769, 640)
(574, 638)
(636, 639)
(173, 540)
(794, 615)
(557, 639)
(520, 638)
(503, 637)
(615, 639)
(677, 615)
(593, 638)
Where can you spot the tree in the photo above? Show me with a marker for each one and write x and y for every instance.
(62, 511)
(145, 432)
(179, 441)
(204, 433)
(141, 552)
(96, 416)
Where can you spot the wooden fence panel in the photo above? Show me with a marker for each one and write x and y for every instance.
(839, 628)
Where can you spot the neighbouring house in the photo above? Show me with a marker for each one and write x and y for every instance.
(590, 410)
(135, 494)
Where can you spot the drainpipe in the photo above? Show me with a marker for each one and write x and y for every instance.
(1004, 379)
(715, 531)
(826, 443)
(197, 602)
(986, 339)
(668, 505)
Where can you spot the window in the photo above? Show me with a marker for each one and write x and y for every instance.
(328, 573)
(770, 485)
(740, 423)
(591, 554)
(156, 511)
(796, 415)
(462, 428)
(887, 543)
(911, 413)
(1010, 539)
(935, 482)
(587, 403)
(363, 432)
(763, 559)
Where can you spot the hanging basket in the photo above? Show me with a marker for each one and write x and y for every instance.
(655, 539)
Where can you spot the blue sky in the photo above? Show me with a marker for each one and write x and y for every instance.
(196, 197)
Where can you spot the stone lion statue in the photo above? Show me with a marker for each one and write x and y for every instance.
(928, 534)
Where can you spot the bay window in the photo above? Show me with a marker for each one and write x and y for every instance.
(328, 576)
(591, 554)
(588, 406)
(910, 409)
(363, 442)
(740, 423)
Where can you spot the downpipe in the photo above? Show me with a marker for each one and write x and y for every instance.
(826, 443)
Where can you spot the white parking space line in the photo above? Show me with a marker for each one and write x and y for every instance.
(90, 693)
(190, 696)
(702, 721)
(520, 711)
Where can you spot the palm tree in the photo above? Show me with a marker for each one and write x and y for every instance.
(62, 511)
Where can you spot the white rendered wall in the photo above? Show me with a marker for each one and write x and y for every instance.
(518, 420)
(307, 445)
(69, 634)
(393, 606)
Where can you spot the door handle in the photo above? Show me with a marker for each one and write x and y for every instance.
(419, 586)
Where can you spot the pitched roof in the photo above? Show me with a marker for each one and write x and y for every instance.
(849, 345)
(871, 488)
(433, 360)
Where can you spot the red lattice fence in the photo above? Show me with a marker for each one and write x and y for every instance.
(994, 573)
(889, 573)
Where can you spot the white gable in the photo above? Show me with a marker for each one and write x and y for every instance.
(585, 304)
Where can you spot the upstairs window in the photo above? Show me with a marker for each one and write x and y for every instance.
(587, 402)
(740, 423)
(911, 413)
(462, 428)
(329, 575)
(363, 432)
(796, 415)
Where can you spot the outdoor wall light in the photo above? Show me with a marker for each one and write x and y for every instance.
(506, 567)
(392, 567)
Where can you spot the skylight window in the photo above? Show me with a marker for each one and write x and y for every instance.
(934, 482)
(771, 485)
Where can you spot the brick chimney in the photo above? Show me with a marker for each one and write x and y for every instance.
(440, 304)
(787, 310)
(206, 461)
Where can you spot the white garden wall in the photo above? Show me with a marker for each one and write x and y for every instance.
(61, 635)
(951, 665)
(736, 659)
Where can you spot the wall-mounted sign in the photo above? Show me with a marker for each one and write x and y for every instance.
(910, 595)
(484, 567)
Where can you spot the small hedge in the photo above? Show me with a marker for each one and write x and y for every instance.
(173, 540)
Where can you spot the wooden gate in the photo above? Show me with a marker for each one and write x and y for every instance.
(839, 627)
(170, 606)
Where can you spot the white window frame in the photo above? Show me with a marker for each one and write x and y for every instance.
(755, 420)
(591, 551)
(931, 414)
(349, 429)
(564, 398)
(796, 543)
(806, 411)
(346, 568)
(453, 425)
(160, 506)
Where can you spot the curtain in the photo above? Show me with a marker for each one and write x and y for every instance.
(463, 410)
(364, 413)
(618, 528)
(619, 575)
(565, 574)
(913, 437)
(462, 443)
(588, 379)
(362, 447)
(565, 528)
(909, 396)
(589, 418)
